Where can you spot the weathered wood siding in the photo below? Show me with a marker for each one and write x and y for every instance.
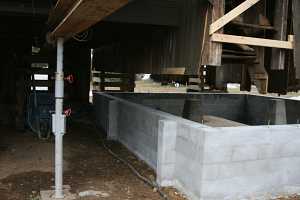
(151, 49)
(155, 12)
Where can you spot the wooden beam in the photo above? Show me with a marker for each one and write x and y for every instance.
(221, 22)
(173, 71)
(233, 39)
(280, 24)
(84, 14)
(255, 26)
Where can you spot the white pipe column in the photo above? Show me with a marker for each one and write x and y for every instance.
(59, 121)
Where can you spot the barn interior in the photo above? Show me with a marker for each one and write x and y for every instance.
(94, 41)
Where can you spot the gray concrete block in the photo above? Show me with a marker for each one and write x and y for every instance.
(210, 172)
(166, 155)
(217, 154)
(244, 153)
(280, 112)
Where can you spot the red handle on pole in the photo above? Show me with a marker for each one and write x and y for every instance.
(70, 79)
(68, 112)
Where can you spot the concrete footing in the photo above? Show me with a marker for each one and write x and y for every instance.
(49, 194)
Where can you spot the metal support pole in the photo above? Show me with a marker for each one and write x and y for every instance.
(59, 121)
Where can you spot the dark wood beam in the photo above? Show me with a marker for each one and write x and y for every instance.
(82, 15)
(212, 51)
(280, 24)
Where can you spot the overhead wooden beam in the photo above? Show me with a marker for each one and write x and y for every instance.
(84, 14)
(233, 39)
(220, 23)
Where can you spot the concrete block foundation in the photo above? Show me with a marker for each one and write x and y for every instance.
(259, 159)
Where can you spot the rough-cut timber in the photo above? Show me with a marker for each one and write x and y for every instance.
(212, 52)
(280, 24)
(84, 14)
(233, 39)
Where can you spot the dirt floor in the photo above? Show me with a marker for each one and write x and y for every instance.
(26, 167)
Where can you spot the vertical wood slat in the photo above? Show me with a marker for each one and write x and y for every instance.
(280, 24)
(296, 25)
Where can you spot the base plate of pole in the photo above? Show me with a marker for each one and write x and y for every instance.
(49, 194)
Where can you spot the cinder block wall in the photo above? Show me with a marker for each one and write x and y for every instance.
(229, 106)
(189, 155)
(203, 162)
(264, 110)
(247, 162)
(246, 109)
(137, 129)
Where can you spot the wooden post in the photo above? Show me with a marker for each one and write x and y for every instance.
(212, 52)
(102, 81)
(280, 25)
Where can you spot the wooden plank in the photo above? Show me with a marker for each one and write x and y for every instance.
(296, 23)
(96, 72)
(194, 88)
(280, 24)
(114, 84)
(255, 26)
(41, 71)
(84, 14)
(220, 23)
(233, 39)
(42, 83)
(173, 71)
(123, 76)
(215, 121)
(96, 80)
(238, 57)
(235, 52)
